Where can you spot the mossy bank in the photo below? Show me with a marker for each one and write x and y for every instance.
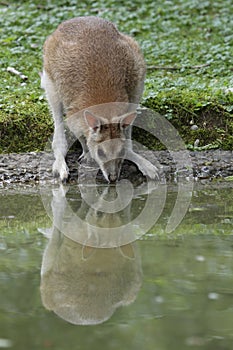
(188, 49)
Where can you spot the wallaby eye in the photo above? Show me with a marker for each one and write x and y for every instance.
(105, 127)
(101, 153)
(95, 128)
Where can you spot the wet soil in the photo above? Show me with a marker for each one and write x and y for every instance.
(36, 167)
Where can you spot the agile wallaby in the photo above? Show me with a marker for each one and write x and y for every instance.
(88, 62)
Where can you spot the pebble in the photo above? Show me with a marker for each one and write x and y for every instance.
(159, 299)
(5, 343)
(213, 296)
(200, 258)
(196, 143)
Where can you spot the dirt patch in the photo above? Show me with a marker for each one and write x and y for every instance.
(36, 167)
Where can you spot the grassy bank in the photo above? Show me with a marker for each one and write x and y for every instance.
(188, 46)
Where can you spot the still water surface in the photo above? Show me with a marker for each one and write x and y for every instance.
(163, 291)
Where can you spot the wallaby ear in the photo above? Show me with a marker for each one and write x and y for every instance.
(128, 119)
(92, 121)
(127, 251)
(87, 252)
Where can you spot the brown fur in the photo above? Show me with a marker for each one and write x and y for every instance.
(92, 63)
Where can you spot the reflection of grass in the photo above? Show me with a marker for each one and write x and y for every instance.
(21, 215)
(210, 214)
(21, 244)
(180, 34)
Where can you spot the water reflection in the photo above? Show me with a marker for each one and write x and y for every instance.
(84, 284)
(104, 218)
(185, 299)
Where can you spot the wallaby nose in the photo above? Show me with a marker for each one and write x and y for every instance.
(112, 178)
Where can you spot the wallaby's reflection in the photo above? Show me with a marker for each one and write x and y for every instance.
(82, 284)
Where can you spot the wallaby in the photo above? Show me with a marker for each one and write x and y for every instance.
(88, 62)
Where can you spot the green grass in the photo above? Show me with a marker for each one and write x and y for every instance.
(180, 34)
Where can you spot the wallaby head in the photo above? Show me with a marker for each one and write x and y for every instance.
(107, 142)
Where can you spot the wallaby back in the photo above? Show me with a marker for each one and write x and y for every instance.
(91, 63)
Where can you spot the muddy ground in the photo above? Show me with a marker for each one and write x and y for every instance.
(36, 167)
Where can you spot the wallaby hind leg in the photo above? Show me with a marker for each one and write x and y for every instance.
(59, 144)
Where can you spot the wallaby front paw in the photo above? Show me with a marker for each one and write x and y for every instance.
(60, 169)
(149, 170)
(144, 165)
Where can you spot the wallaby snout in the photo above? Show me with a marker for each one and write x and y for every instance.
(112, 169)
(110, 156)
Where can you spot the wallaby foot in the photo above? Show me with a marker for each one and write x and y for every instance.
(60, 169)
(146, 167)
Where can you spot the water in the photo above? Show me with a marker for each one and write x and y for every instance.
(164, 291)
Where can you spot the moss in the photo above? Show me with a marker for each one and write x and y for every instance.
(25, 131)
(24, 135)
(214, 124)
